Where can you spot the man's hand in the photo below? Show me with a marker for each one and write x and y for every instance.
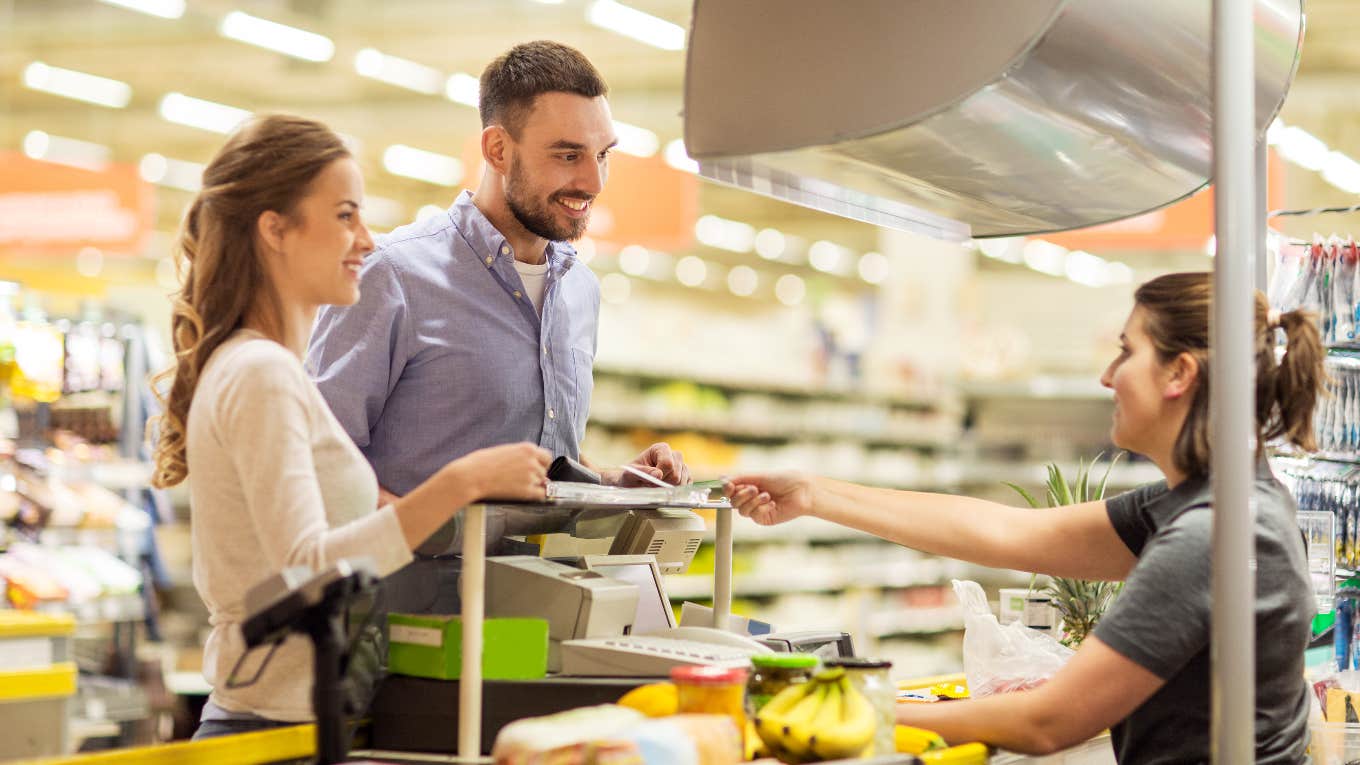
(659, 461)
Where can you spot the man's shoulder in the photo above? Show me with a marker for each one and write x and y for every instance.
(433, 238)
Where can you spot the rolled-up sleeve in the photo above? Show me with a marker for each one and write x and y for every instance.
(357, 352)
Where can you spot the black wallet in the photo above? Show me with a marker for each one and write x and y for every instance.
(565, 468)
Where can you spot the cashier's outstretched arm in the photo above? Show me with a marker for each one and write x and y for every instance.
(1076, 541)
(1096, 689)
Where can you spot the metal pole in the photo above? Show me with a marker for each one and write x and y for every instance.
(1262, 277)
(472, 593)
(722, 569)
(1233, 632)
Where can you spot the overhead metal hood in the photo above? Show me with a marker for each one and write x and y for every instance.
(959, 117)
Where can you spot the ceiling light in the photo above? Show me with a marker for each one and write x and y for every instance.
(80, 86)
(1046, 257)
(166, 9)
(1273, 132)
(640, 142)
(204, 115)
(1302, 148)
(281, 38)
(428, 166)
(633, 260)
(1342, 172)
(742, 280)
(724, 234)
(678, 158)
(873, 267)
(1008, 248)
(1118, 273)
(770, 244)
(1085, 268)
(463, 89)
(614, 288)
(828, 257)
(691, 271)
(175, 173)
(633, 23)
(428, 211)
(790, 289)
(66, 151)
(403, 73)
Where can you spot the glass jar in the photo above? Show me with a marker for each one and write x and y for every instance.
(713, 691)
(870, 677)
(772, 673)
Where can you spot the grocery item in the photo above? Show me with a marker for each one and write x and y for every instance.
(711, 690)
(826, 718)
(870, 677)
(909, 740)
(653, 699)
(772, 673)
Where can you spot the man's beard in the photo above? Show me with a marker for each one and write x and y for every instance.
(537, 218)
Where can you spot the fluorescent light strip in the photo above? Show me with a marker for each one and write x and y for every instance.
(463, 89)
(633, 23)
(828, 257)
(678, 158)
(201, 114)
(281, 38)
(175, 173)
(1311, 153)
(640, 142)
(166, 9)
(428, 166)
(66, 151)
(724, 234)
(401, 72)
(68, 83)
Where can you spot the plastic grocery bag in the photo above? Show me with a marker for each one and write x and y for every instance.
(998, 659)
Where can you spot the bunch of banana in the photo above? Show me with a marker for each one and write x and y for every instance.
(826, 718)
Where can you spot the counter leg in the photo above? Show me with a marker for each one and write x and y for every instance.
(722, 569)
(473, 592)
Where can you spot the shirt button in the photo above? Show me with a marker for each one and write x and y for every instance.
(488, 260)
(505, 249)
(517, 293)
(552, 415)
(545, 349)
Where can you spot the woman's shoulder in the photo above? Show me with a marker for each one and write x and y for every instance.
(249, 359)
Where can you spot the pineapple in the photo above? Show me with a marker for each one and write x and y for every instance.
(1080, 603)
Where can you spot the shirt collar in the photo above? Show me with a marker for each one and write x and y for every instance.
(488, 242)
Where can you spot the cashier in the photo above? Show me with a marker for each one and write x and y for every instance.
(1144, 672)
(478, 326)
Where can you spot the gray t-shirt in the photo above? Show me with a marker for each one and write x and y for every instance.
(1161, 621)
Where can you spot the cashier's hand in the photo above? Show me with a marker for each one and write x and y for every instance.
(659, 461)
(511, 471)
(770, 498)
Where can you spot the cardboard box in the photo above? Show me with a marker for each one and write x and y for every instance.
(426, 645)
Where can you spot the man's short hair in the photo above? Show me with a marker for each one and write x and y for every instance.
(510, 84)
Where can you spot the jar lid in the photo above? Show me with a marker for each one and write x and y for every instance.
(785, 660)
(858, 662)
(705, 675)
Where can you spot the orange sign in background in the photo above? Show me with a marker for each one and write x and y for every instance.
(46, 207)
(645, 201)
(1186, 225)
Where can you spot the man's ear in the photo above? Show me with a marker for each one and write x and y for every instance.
(496, 148)
(270, 227)
(1183, 376)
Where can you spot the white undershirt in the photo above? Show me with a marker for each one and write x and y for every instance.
(534, 278)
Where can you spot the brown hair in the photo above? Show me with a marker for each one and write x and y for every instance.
(267, 164)
(510, 84)
(1177, 310)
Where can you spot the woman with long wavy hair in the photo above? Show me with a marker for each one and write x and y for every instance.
(275, 233)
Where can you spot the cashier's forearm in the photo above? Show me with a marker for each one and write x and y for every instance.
(423, 511)
(1010, 721)
(943, 524)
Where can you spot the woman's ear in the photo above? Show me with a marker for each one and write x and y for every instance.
(1182, 375)
(270, 227)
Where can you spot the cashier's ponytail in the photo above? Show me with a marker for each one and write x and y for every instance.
(1177, 310)
(267, 164)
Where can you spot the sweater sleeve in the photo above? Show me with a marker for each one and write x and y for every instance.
(266, 426)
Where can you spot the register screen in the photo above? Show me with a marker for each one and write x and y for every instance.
(654, 608)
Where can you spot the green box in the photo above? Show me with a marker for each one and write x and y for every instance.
(426, 645)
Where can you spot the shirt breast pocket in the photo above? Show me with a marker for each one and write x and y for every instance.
(584, 369)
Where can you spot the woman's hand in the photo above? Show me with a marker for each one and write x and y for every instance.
(511, 471)
(770, 498)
